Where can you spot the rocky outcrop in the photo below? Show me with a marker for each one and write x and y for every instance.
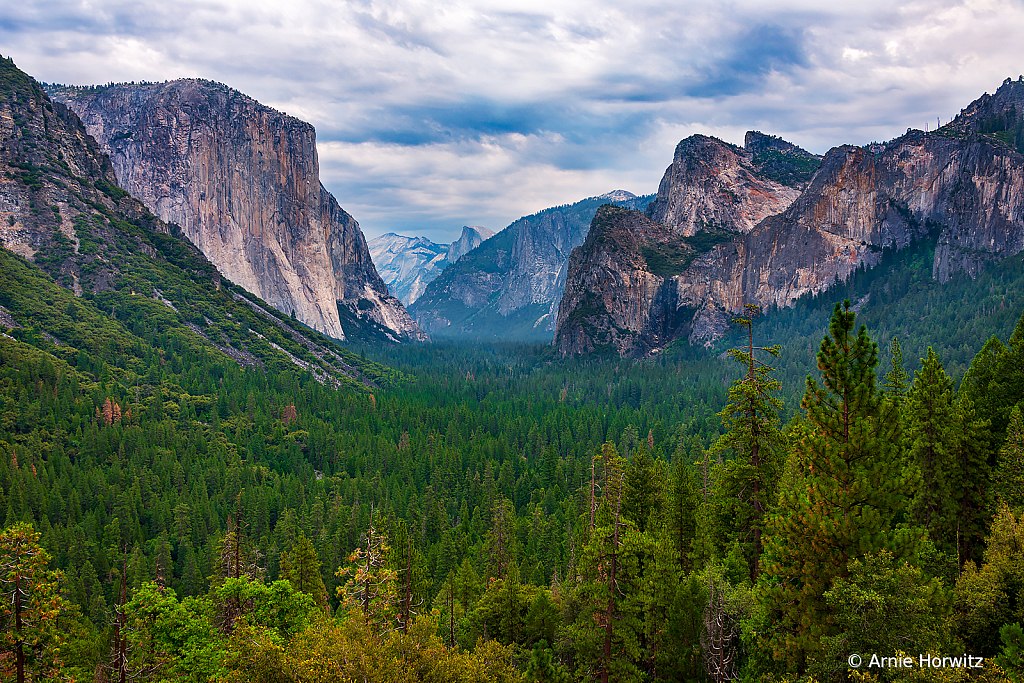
(994, 115)
(613, 301)
(242, 181)
(714, 186)
(962, 189)
(511, 285)
(408, 264)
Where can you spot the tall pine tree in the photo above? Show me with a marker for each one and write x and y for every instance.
(746, 481)
(843, 498)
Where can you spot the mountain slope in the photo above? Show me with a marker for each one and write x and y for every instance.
(242, 180)
(92, 278)
(408, 264)
(963, 188)
(510, 286)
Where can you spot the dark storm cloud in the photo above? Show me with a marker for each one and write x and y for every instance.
(755, 53)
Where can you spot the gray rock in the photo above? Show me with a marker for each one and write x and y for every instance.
(242, 181)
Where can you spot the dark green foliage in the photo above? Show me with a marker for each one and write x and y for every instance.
(112, 191)
(784, 168)
(667, 260)
(705, 240)
(1006, 126)
(900, 298)
(845, 492)
(756, 448)
(931, 434)
(1012, 656)
(1009, 476)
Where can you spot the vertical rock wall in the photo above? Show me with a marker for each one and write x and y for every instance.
(242, 180)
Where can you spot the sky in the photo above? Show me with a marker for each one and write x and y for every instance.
(434, 115)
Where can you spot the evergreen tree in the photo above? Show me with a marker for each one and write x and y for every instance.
(1010, 470)
(746, 482)
(501, 546)
(31, 608)
(608, 634)
(411, 575)
(643, 498)
(896, 379)
(847, 492)
(681, 520)
(302, 568)
(370, 584)
(972, 479)
(931, 435)
(543, 669)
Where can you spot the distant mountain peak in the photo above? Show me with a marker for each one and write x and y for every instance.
(408, 264)
(617, 195)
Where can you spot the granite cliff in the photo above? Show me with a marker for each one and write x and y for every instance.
(510, 286)
(408, 264)
(714, 186)
(242, 181)
(87, 270)
(959, 186)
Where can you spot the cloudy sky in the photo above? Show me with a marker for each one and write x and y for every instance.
(434, 115)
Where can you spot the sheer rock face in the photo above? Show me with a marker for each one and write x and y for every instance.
(470, 239)
(612, 300)
(712, 185)
(538, 260)
(967, 192)
(242, 180)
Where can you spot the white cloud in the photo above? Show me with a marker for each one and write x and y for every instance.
(439, 114)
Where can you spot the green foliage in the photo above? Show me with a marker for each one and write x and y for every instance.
(746, 482)
(704, 241)
(301, 567)
(1009, 475)
(843, 497)
(31, 638)
(667, 259)
(786, 168)
(989, 596)
(172, 639)
(1011, 658)
(883, 601)
(543, 669)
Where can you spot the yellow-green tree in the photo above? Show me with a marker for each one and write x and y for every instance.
(302, 568)
(371, 583)
(31, 606)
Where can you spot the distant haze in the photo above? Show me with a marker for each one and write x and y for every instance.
(431, 117)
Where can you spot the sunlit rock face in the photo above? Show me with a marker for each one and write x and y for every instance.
(242, 180)
(712, 185)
